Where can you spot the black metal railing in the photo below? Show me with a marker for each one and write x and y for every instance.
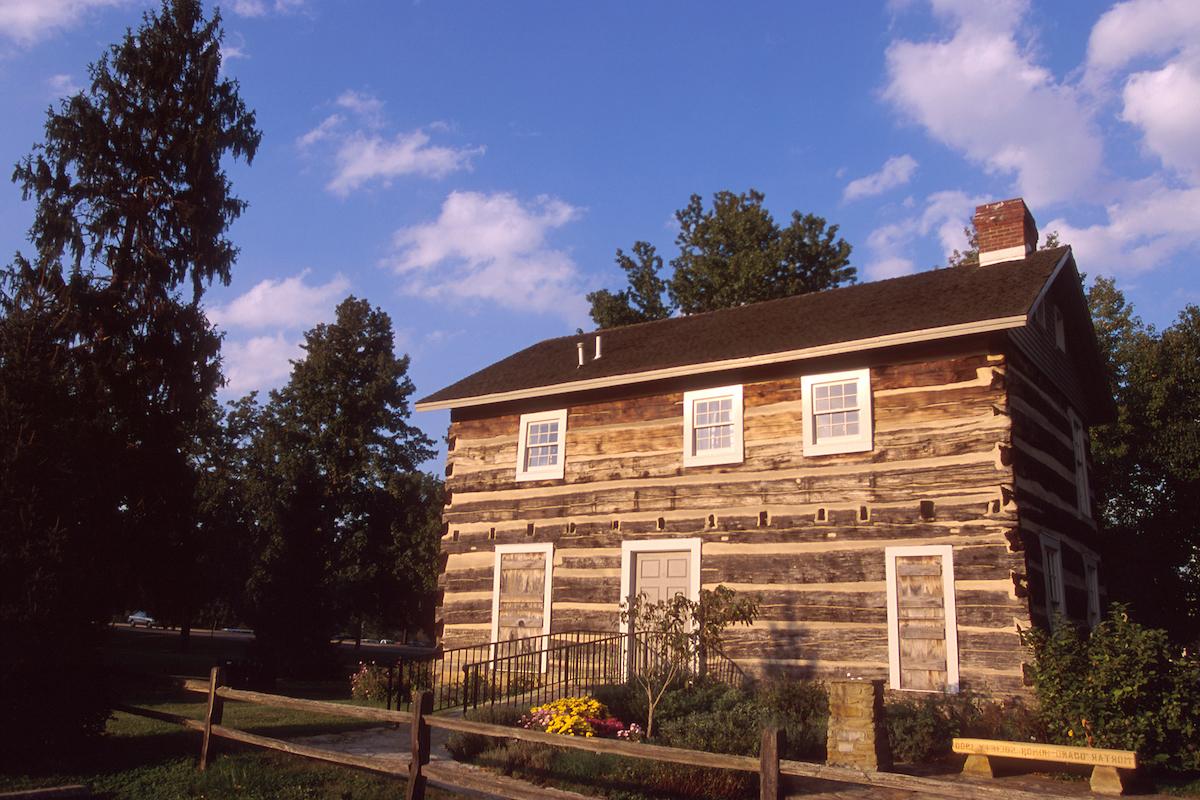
(542, 668)
(540, 676)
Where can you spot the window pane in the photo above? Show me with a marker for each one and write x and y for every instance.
(716, 437)
(541, 444)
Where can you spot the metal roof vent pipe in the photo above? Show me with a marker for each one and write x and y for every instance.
(579, 347)
(597, 345)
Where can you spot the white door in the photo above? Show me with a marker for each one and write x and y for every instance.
(660, 576)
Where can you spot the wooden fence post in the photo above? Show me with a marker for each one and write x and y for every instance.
(213, 717)
(769, 785)
(422, 704)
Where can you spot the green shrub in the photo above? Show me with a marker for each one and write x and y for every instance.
(466, 746)
(733, 728)
(921, 729)
(1122, 686)
(369, 683)
(801, 708)
(625, 701)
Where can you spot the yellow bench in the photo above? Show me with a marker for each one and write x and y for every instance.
(1110, 768)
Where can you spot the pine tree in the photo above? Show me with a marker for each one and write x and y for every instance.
(730, 255)
(132, 206)
(337, 501)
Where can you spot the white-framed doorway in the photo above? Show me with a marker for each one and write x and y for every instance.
(632, 550)
(522, 575)
(922, 618)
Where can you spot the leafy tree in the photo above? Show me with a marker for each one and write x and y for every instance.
(1147, 462)
(224, 513)
(732, 254)
(132, 205)
(673, 636)
(341, 511)
(642, 301)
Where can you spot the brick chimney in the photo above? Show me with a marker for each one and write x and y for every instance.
(1006, 231)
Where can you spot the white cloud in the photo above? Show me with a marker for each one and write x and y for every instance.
(361, 158)
(1131, 30)
(261, 8)
(896, 171)
(492, 247)
(288, 303)
(1150, 224)
(365, 105)
(363, 155)
(233, 47)
(26, 21)
(1165, 105)
(946, 213)
(62, 85)
(980, 93)
(327, 128)
(260, 362)
(285, 308)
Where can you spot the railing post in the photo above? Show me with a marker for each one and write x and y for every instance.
(422, 704)
(216, 706)
(631, 644)
(769, 786)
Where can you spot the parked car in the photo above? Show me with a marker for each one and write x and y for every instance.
(141, 618)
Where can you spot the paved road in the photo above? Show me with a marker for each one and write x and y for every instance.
(374, 649)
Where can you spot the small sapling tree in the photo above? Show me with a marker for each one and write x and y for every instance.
(674, 637)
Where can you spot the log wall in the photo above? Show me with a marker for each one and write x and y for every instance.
(1044, 464)
(807, 535)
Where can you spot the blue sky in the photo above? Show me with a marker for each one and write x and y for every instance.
(471, 167)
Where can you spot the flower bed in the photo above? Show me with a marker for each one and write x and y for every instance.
(579, 716)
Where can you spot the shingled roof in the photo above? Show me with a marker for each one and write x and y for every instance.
(941, 302)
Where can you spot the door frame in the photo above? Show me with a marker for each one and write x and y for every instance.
(951, 616)
(630, 547)
(547, 550)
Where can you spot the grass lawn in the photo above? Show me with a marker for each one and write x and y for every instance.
(141, 758)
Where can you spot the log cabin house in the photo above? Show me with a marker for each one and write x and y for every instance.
(897, 469)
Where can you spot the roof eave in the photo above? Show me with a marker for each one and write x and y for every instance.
(870, 343)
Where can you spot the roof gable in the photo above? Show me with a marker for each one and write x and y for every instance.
(939, 303)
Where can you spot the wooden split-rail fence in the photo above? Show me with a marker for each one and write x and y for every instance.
(420, 772)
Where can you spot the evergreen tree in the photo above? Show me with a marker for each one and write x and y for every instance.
(132, 206)
(732, 254)
(336, 505)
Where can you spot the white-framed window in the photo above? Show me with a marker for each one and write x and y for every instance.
(541, 449)
(837, 412)
(922, 618)
(1083, 500)
(712, 426)
(1053, 574)
(1060, 330)
(1091, 574)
